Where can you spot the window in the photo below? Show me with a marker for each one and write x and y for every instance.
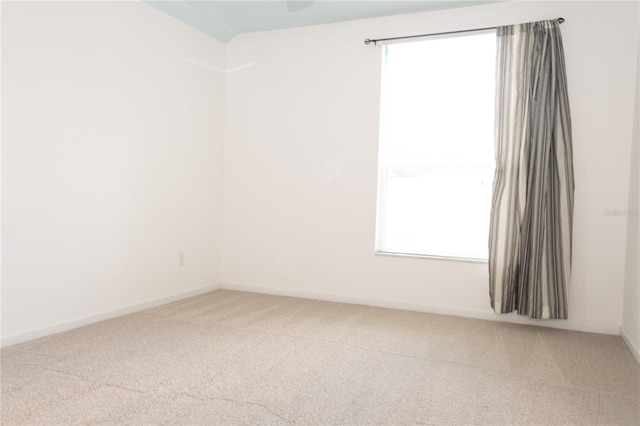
(436, 156)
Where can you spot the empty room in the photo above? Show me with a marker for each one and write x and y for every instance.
(320, 212)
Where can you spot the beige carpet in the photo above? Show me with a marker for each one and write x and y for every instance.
(228, 357)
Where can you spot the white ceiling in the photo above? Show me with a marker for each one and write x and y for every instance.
(224, 19)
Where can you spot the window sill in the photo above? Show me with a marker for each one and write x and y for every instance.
(432, 257)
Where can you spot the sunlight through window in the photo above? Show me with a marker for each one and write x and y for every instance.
(436, 156)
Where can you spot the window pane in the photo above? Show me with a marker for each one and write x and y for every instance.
(436, 147)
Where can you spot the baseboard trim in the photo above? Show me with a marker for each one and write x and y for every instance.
(452, 311)
(635, 351)
(80, 322)
(392, 304)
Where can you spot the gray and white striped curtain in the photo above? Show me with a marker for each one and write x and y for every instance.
(532, 210)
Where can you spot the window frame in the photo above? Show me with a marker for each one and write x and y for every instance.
(381, 194)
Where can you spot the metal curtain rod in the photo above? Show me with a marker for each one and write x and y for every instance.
(369, 41)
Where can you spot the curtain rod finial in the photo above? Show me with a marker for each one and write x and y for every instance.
(560, 20)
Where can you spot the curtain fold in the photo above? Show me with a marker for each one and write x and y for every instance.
(532, 205)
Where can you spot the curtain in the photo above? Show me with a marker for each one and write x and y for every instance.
(532, 204)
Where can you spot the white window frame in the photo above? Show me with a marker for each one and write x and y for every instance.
(382, 181)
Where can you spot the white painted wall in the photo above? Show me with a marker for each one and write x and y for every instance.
(301, 154)
(631, 318)
(112, 158)
(111, 161)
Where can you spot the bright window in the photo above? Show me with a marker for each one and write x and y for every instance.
(436, 156)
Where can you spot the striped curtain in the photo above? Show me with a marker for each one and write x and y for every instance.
(532, 210)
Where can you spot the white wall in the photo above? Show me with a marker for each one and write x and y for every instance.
(631, 318)
(112, 158)
(111, 161)
(301, 154)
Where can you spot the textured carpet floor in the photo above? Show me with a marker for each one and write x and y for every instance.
(229, 357)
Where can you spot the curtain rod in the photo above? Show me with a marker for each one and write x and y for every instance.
(375, 41)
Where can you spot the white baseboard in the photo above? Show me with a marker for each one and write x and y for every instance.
(452, 311)
(635, 351)
(80, 322)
